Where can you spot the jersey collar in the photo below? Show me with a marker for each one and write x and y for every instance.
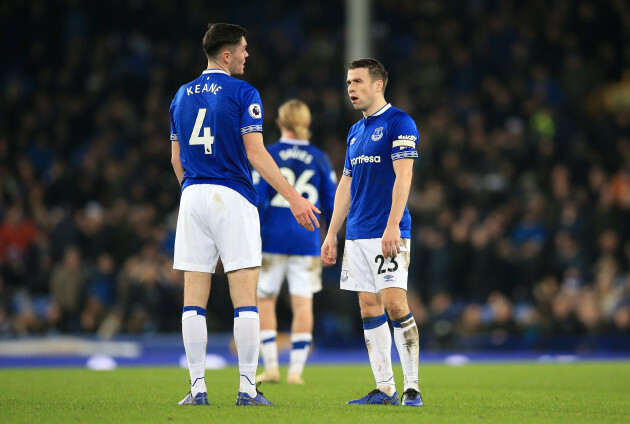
(377, 113)
(214, 71)
(293, 141)
(380, 111)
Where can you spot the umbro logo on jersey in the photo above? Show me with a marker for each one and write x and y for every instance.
(378, 134)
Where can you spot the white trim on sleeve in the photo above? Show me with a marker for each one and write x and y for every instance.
(403, 143)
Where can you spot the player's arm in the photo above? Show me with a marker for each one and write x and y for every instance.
(177, 164)
(327, 189)
(303, 210)
(340, 212)
(403, 168)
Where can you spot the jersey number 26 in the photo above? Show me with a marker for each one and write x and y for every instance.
(301, 185)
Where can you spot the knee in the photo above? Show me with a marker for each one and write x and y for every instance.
(370, 308)
(269, 302)
(301, 305)
(397, 310)
(302, 313)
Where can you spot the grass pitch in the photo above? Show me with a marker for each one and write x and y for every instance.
(591, 393)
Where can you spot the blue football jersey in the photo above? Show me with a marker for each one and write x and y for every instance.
(309, 171)
(209, 116)
(373, 144)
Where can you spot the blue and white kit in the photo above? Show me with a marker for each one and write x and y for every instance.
(211, 145)
(308, 170)
(289, 251)
(373, 144)
(209, 117)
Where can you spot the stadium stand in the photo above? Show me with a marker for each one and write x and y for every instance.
(521, 199)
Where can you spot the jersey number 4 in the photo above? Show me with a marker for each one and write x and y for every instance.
(206, 139)
(301, 185)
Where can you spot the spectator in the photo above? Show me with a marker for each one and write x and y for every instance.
(67, 289)
(521, 186)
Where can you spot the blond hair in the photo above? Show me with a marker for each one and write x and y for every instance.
(294, 115)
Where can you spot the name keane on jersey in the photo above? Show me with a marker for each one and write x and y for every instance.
(295, 153)
(198, 88)
(365, 159)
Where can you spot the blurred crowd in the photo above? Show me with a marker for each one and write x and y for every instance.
(521, 196)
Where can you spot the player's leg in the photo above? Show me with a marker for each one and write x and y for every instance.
(268, 343)
(358, 274)
(246, 333)
(301, 337)
(405, 330)
(304, 276)
(272, 274)
(378, 339)
(246, 325)
(236, 229)
(407, 342)
(197, 255)
(194, 329)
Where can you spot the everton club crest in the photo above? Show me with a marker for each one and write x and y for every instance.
(378, 134)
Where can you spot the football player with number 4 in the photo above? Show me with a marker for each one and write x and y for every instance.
(289, 251)
(216, 128)
(373, 194)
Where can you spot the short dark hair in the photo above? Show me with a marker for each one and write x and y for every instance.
(375, 68)
(220, 35)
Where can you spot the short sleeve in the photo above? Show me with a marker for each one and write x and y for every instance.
(347, 166)
(171, 113)
(251, 110)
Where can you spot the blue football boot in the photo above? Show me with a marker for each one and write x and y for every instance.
(243, 399)
(412, 397)
(376, 397)
(200, 398)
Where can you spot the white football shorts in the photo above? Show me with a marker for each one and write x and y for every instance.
(365, 269)
(303, 274)
(215, 221)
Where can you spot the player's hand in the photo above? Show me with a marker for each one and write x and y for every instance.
(329, 250)
(391, 241)
(304, 212)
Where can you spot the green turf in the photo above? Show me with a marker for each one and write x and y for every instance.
(591, 393)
